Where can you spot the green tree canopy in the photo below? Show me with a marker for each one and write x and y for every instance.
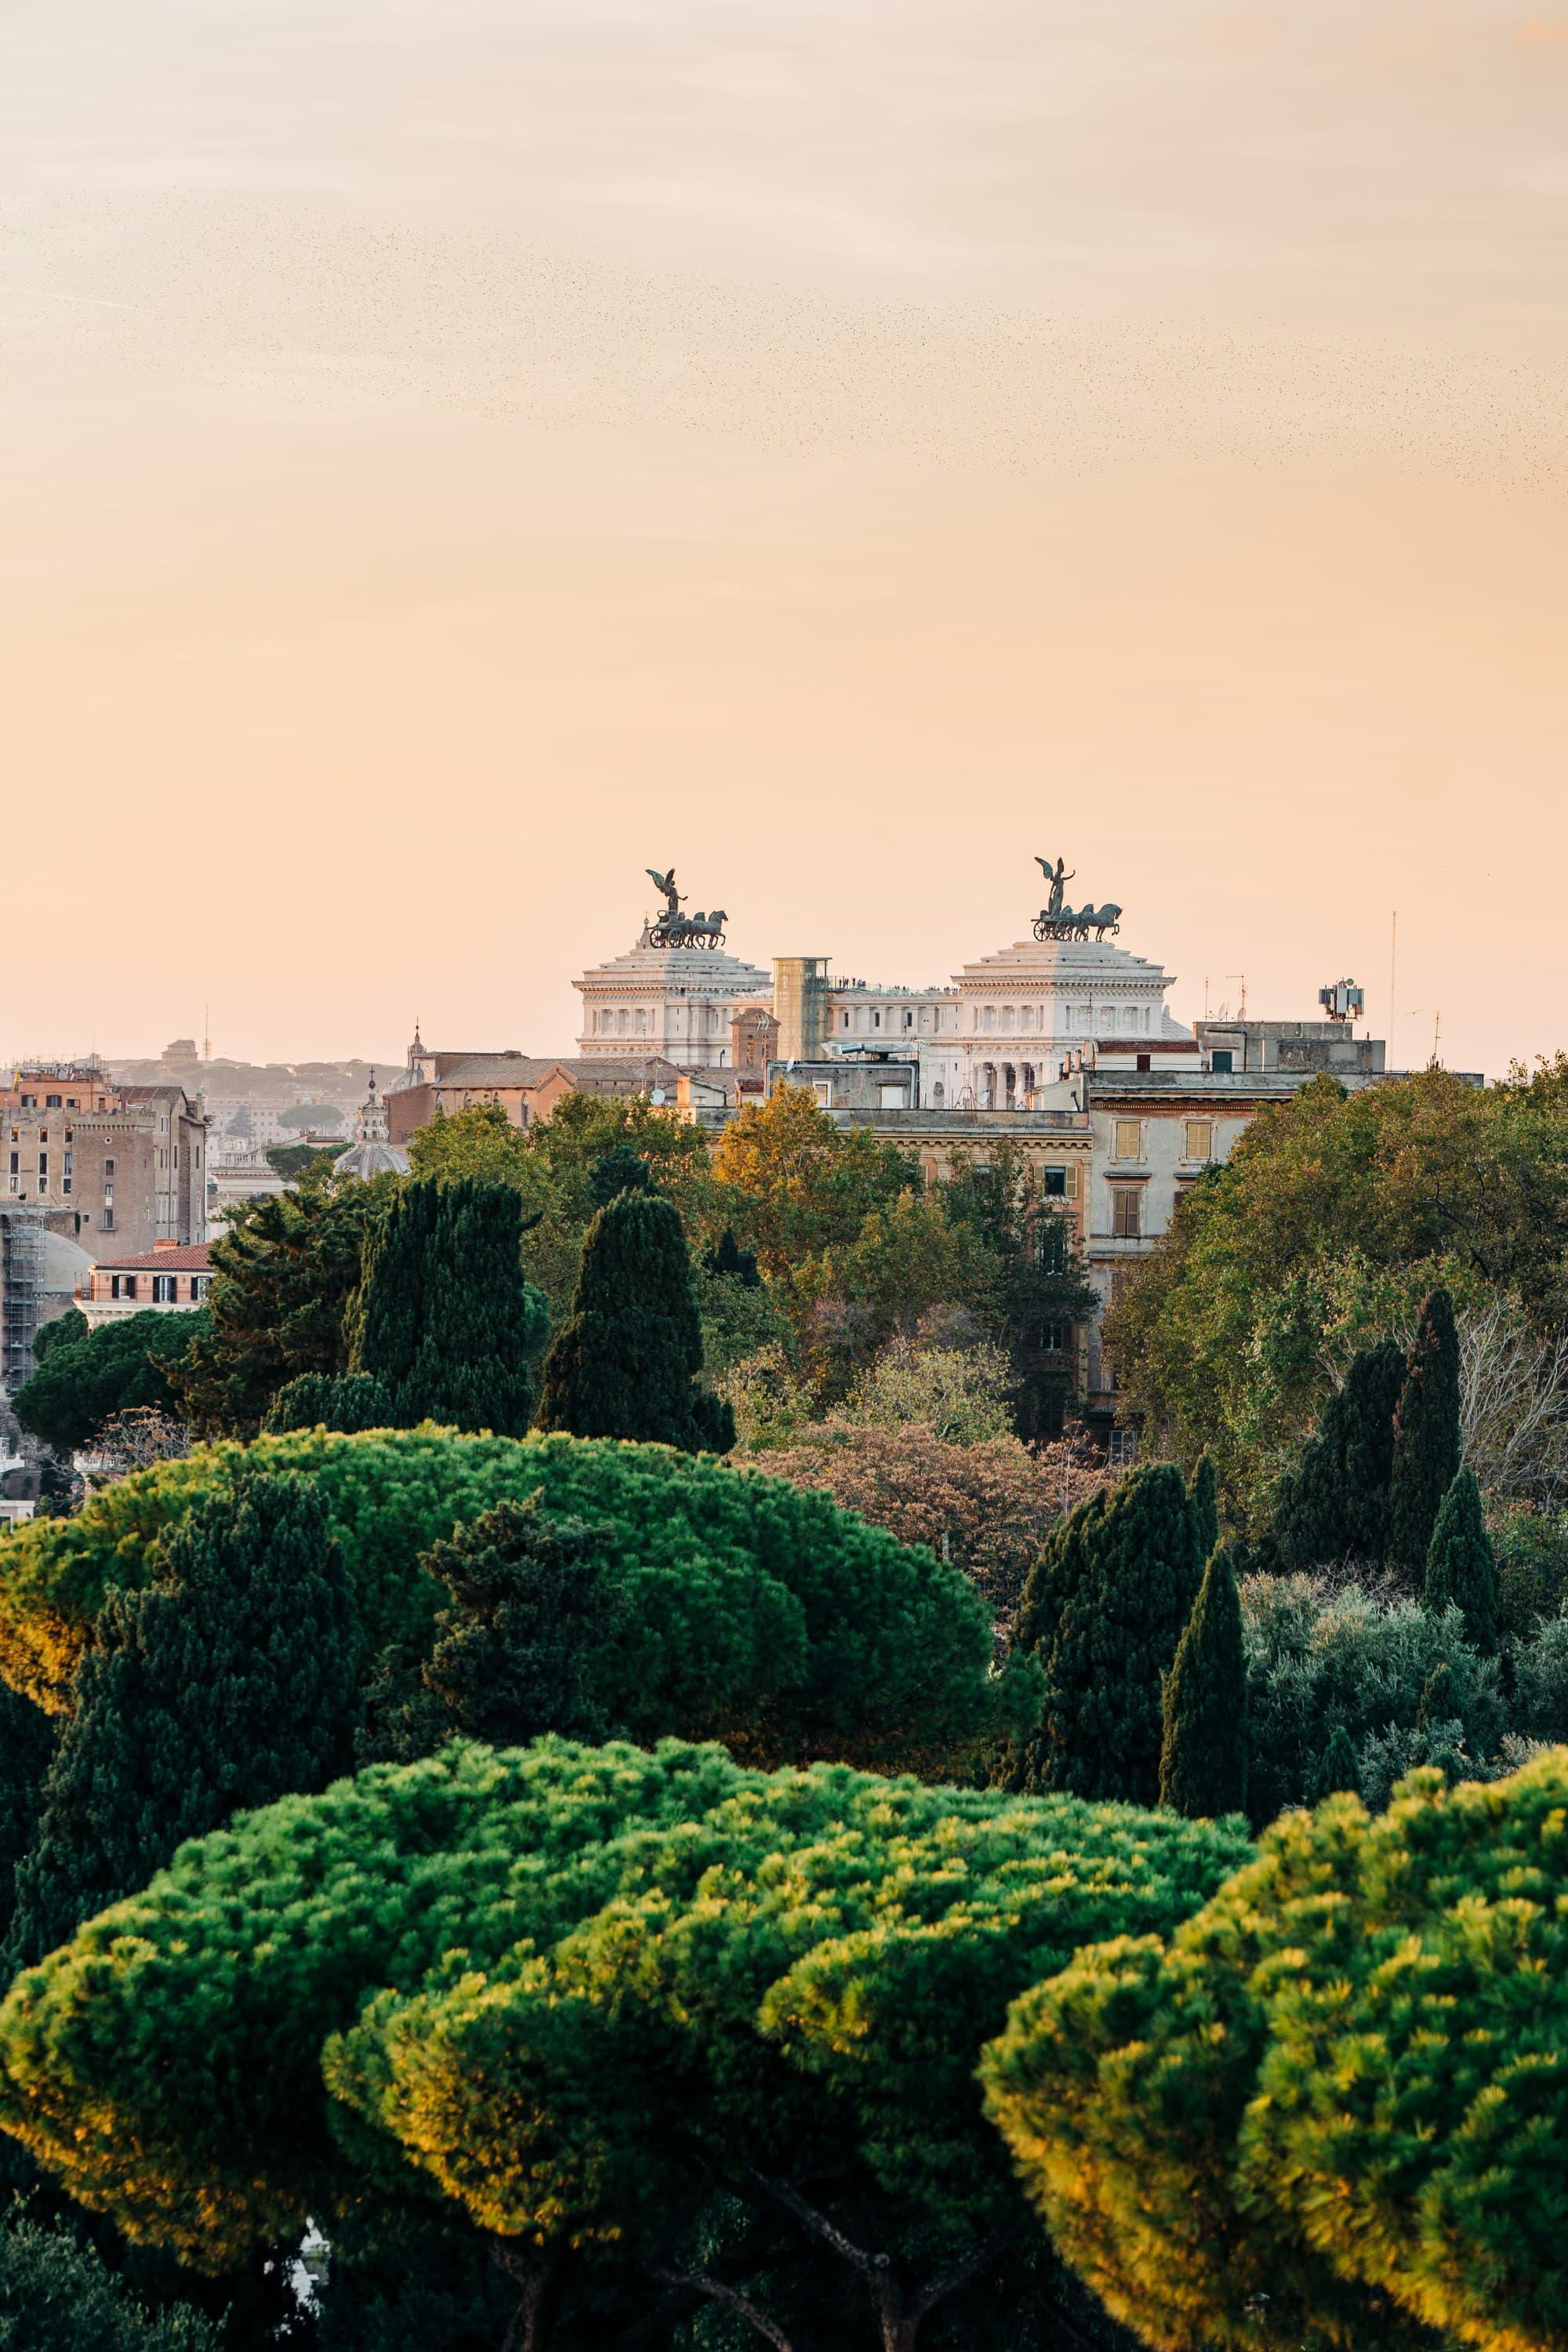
(673, 1980)
(1331, 2104)
(443, 1318)
(230, 1680)
(58, 2294)
(755, 1613)
(1333, 1214)
(627, 1364)
(80, 1382)
(282, 1275)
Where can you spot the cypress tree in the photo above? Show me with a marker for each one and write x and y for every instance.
(1335, 1505)
(443, 1318)
(731, 1259)
(615, 1172)
(626, 1364)
(1338, 1771)
(227, 1682)
(520, 1651)
(1203, 1758)
(1202, 1497)
(345, 1401)
(1425, 1436)
(1128, 1577)
(1460, 1566)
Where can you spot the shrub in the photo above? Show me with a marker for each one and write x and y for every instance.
(1320, 1655)
(755, 1613)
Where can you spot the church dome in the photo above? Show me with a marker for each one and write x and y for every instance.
(371, 1154)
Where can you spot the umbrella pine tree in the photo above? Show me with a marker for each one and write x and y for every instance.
(229, 1681)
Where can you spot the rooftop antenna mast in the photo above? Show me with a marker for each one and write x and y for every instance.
(1392, 964)
(1241, 1008)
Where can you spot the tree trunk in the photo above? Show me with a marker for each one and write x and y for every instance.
(541, 2272)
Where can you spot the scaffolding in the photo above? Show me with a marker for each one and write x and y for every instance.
(21, 1291)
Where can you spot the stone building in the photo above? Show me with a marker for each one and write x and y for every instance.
(127, 1160)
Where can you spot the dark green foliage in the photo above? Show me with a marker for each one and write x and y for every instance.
(1330, 2107)
(1460, 1565)
(1104, 1611)
(282, 1275)
(1203, 1494)
(731, 1259)
(56, 2294)
(27, 1744)
(1040, 1291)
(444, 1319)
(292, 1161)
(586, 1991)
(756, 1612)
(61, 1331)
(1426, 1437)
(80, 1382)
(617, 1171)
(1338, 1773)
(228, 1681)
(1203, 1759)
(345, 1401)
(517, 1654)
(1333, 1505)
(627, 1364)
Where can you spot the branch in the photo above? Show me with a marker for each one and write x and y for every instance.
(700, 2282)
(932, 2293)
(869, 2265)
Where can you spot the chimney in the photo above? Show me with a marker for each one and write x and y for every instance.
(800, 1007)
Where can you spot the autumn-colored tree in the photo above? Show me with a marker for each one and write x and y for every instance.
(985, 1506)
(795, 1184)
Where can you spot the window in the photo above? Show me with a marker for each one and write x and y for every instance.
(988, 1017)
(53, 1102)
(109, 1167)
(1127, 1212)
(1052, 1249)
(1128, 1139)
(1122, 1449)
(894, 1097)
(1054, 1183)
(164, 1289)
(198, 1287)
(121, 1286)
(16, 1162)
(1222, 1060)
(823, 1089)
(843, 1021)
(1054, 1338)
(43, 1169)
(1200, 1139)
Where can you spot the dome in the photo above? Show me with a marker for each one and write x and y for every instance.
(371, 1154)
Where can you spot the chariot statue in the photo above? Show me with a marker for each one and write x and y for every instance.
(674, 929)
(1055, 921)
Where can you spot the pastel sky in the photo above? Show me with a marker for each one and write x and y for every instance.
(455, 454)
